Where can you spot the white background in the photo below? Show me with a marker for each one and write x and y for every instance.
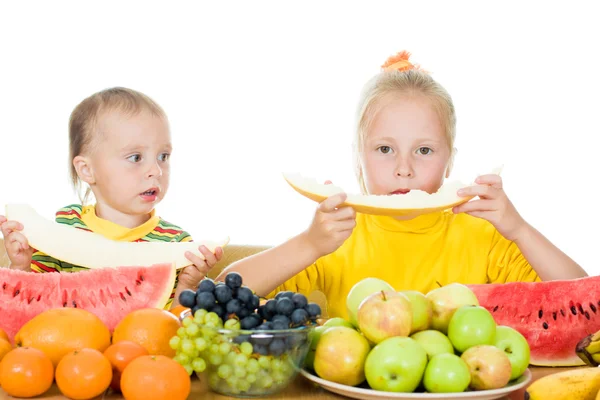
(253, 89)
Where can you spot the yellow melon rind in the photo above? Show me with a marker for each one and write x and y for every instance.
(92, 250)
(415, 203)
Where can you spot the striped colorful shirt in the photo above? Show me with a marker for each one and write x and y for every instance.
(84, 217)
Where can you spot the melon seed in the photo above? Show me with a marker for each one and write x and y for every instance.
(554, 315)
(562, 312)
(495, 309)
(122, 296)
(545, 325)
(573, 310)
(74, 304)
(580, 308)
(587, 315)
(593, 307)
(127, 290)
(540, 313)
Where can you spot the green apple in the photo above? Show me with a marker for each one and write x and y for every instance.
(338, 321)
(446, 373)
(446, 300)
(360, 291)
(313, 337)
(340, 356)
(396, 365)
(489, 366)
(514, 344)
(434, 342)
(384, 315)
(470, 326)
(422, 310)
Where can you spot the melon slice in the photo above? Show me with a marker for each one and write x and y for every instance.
(414, 203)
(92, 250)
(109, 293)
(553, 316)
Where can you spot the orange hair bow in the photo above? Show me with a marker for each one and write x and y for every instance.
(399, 62)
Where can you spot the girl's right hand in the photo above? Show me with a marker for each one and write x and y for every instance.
(331, 226)
(16, 244)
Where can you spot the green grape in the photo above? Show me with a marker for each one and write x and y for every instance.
(213, 318)
(251, 378)
(224, 371)
(239, 372)
(287, 368)
(199, 365)
(214, 348)
(253, 366)
(208, 332)
(174, 342)
(201, 344)
(224, 348)
(215, 359)
(276, 364)
(240, 360)
(213, 379)
(232, 324)
(266, 381)
(244, 385)
(278, 376)
(188, 347)
(199, 316)
(192, 329)
(182, 359)
(246, 348)
(186, 322)
(230, 357)
(232, 381)
(264, 362)
(181, 332)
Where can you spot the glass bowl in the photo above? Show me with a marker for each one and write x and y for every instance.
(244, 363)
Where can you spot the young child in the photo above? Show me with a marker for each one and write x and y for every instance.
(405, 141)
(120, 146)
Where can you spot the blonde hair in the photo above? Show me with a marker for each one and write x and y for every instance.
(400, 77)
(84, 120)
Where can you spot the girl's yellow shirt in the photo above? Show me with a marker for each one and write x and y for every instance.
(413, 255)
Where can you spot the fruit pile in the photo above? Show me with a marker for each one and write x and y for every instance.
(244, 346)
(438, 342)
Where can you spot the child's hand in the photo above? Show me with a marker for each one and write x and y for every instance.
(331, 226)
(493, 205)
(17, 247)
(190, 276)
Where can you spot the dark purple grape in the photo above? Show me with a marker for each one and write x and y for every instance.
(280, 325)
(284, 306)
(255, 303)
(244, 312)
(244, 295)
(250, 322)
(286, 293)
(233, 280)
(219, 310)
(270, 308)
(277, 347)
(233, 306)
(299, 317)
(206, 285)
(299, 300)
(187, 298)
(313, 309)
(205, 300)
(283, 319)
(261, 349)
(223, 293)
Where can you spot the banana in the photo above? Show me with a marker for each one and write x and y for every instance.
(588, 349)
(574, 384)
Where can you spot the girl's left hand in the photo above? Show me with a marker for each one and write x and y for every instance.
(493, 205)
(191, 275)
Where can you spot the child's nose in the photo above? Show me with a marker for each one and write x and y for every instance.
(404, 169)
(155, 170)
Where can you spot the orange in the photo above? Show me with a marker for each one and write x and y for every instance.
(83, 374)
(150, 327)
(181, 312)
(4, 335)
(155, 378)
(5, 347)
(120, 355)
(26, 372)
(59, 331)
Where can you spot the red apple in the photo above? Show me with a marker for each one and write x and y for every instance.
(446, 300)
(490, 367)
(383, 315)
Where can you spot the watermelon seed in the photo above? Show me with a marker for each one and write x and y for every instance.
(122, 296)
(573, 310)
(495, 309)
(593, 307)
(127, 290)
(65, 304)
(562, 312)
(540, 313)
(30, 300)
(580, 308)
(142, 278)
(137, 282)
(39, 297)
(545, 325)
(554, 315)
(16, 293)
(587, 315)
(74, 304)
(4, 288)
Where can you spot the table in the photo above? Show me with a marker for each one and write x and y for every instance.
(301, 389)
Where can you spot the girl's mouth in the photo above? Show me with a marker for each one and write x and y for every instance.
(401, 191)
(149, 195)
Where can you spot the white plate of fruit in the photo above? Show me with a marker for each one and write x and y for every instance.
(409, 345)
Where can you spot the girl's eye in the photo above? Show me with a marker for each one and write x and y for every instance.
(425, 151)
(164, 157)
(135, 158)
(384, 149)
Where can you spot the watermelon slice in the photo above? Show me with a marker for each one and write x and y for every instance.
(553, 316)
(109, 293)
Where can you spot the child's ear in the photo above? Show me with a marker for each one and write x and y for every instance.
(84, 169)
